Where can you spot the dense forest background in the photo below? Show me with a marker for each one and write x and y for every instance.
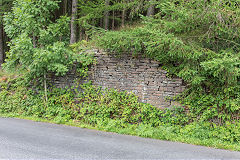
(85, 14)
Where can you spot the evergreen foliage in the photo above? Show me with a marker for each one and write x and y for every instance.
(203, 49)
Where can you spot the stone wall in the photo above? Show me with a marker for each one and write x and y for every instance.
(142, 76)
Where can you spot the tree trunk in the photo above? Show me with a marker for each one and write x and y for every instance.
(101, 22)
(73, 24)
(123, 17)
(113, 21)
(34, 41)
(65, 7)
(151, 9)
(81, 33)
(106, 16)
(1, 46)
(45, 88)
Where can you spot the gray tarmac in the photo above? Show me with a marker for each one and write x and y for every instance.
(23, 139)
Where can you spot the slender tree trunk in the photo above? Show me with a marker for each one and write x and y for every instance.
(69, 7)
(151, 9)
(81, 33)
(65, 7)
(1, 46)
(86, 37)
(123, 17)
(101, 22)
(34, 41)
(73, 23)
(45, 87)
(106, 16)
(113, 21)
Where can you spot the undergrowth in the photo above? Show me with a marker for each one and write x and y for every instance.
(114, 111)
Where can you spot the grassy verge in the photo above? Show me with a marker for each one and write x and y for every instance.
(112, 111)
(161, 132)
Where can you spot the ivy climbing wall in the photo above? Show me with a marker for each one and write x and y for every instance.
(139, 75)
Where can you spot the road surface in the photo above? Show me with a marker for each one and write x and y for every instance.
(23, 139)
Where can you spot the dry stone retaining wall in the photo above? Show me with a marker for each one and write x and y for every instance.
(142, 76)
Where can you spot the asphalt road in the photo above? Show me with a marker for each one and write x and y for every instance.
(23, 139)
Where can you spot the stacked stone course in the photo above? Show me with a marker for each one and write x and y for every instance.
(140, 75)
